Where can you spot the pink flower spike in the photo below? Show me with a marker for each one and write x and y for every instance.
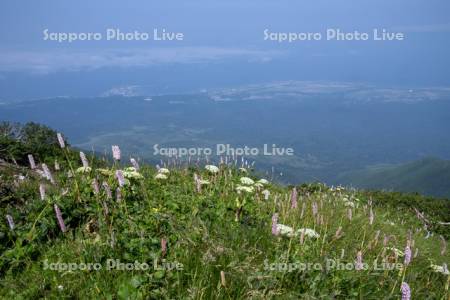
(95, 186)
(10, 222)
(120, 178)
(60, 140)
(359, 264)
(107, 190)
(275, 224)
(294, 196)
(406, 291)
(32, 162)
(42, 191)
(163, 246)
(62, 226)
(134, 163)
(116, 152)
(84, 160)
(408, 254)
(47, 173)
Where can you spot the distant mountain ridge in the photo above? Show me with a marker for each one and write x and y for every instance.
(429, 176)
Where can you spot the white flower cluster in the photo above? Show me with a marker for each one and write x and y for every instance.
(440, 269)
(288, 231)
(163, 174)
(248, 185)
(212, 169)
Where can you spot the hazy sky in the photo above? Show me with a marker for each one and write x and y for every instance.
(223, 44)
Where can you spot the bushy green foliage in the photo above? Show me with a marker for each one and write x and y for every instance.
(224, 255)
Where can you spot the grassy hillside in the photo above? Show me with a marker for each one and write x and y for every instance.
(193, 232)
(429, 176)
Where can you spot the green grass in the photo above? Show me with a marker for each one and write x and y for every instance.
(204, 237)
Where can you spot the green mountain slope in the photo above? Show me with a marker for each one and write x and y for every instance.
(89, 231)
(428, 176)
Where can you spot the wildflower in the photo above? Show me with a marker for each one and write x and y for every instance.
(84, 160)
(371, 216)
(212, 169)
(120, 178)
(107, 189)
(105, 172)
(243, 170)
(62, 226)
(116, 152)
(163, 246)
(302, 237)
(118, 194)
(349, 214)
(60, 140)
(443, 245)
(348, 203)
(406, 291)
(266, 194)
(57, 167)
(289, 231)
(222, 279)
(60, 287)
(359, 264)
(275, 224)
(263, 181)
(315, 209)
(134, 163)
(95, 186)
(10, 220)
(31, 160)
(309, 232)
(42, 191)
(247, 181)
(245, 189)
(130, 173)
(163, 171)
(198, 186)
(407, 255)
(47, 173)
(441, 269)
(294, 198)
(258, 185)
(285, 230)
(83, 170)
(161, 176)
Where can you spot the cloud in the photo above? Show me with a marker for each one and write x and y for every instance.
(49, 61)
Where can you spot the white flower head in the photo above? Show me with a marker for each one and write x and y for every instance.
(263, 181)
(440, 269)
(348, 203)
(84, 170)
(245, 189)
(247, 181)
(161, 176)
(288, 231)
(258, 185)
(163, 171)
(212, 169)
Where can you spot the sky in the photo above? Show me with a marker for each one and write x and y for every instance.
(223, 45)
